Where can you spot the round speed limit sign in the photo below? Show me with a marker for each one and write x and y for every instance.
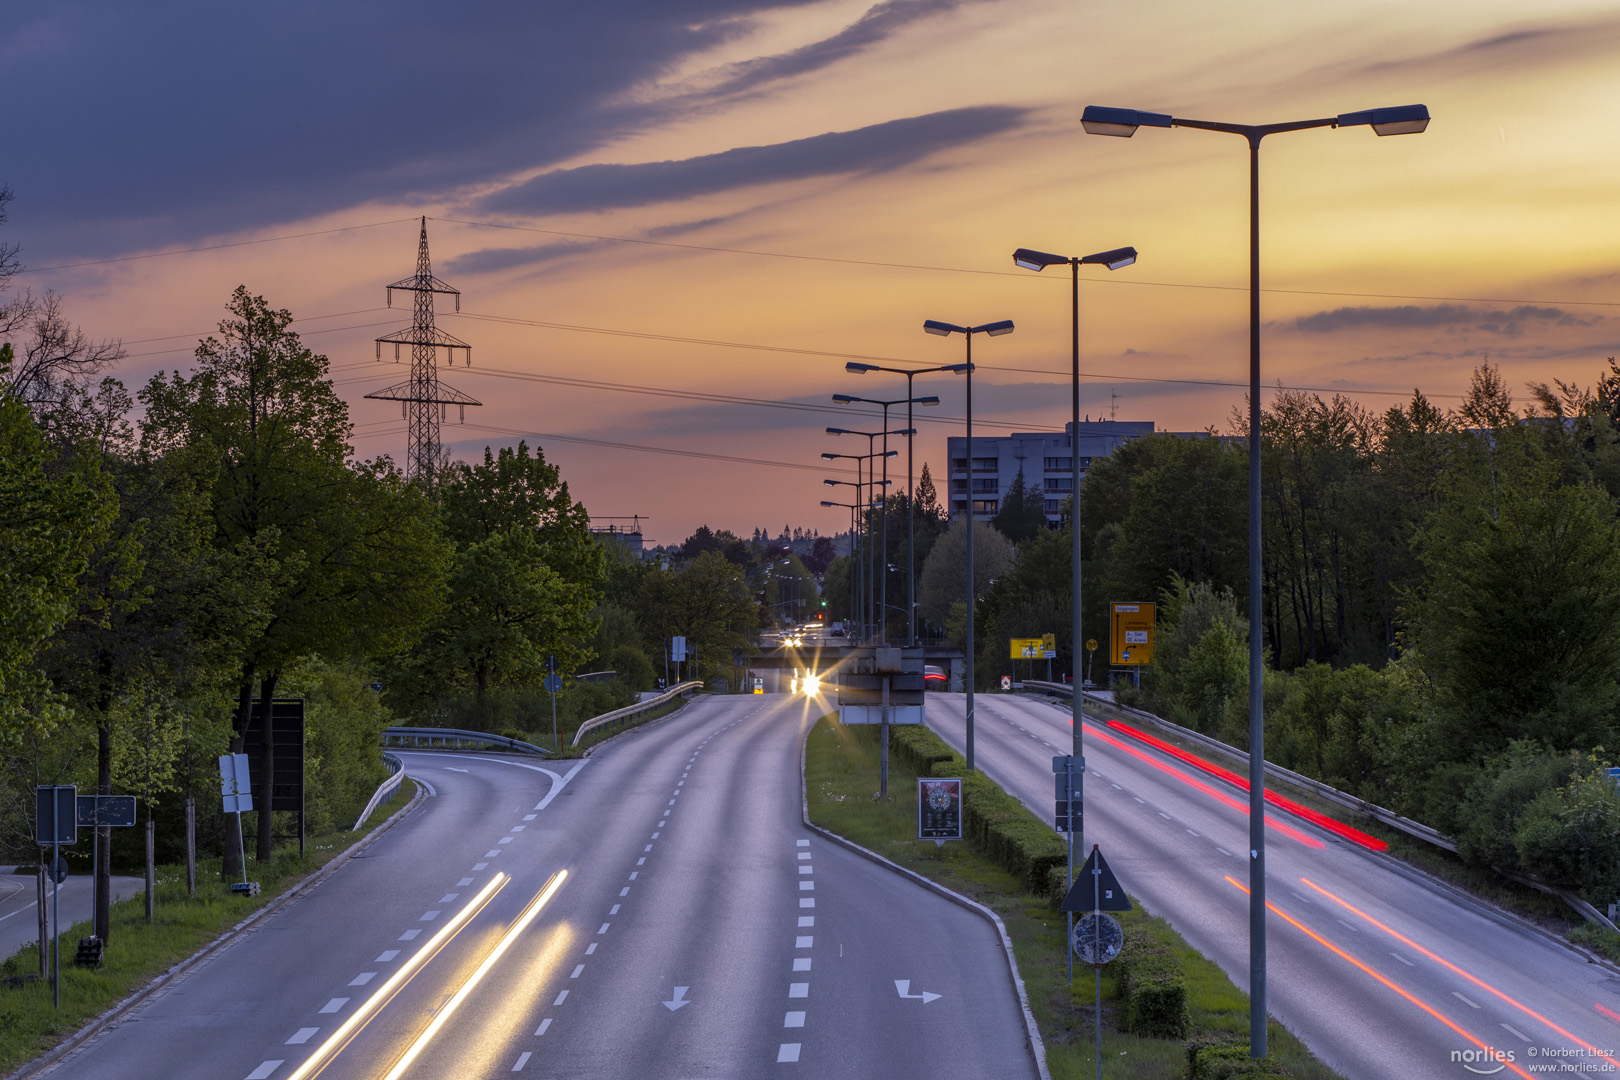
(1096, 938)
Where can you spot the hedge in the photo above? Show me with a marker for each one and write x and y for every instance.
(1154, 990)
(1005, 830)
(1221, 1057)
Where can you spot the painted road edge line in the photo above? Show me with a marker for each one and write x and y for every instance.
(1037, 1048)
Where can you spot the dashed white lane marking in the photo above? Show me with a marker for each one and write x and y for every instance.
(807, 920)
(1228, 854)
(302, 1036)
(647, 848)
(428, 916)
(504, 840)
(803, 855)
(1347, 926)
(541, 1030)
(1191, 833)
(385, 956)
(1300, 898)
(265, 1069)
(641, 861)
(787, 1052)
(1116, 787)
(793, 1019)
(806, 886)
(523, 1059)
(801, 963)
(625, 891)
(362, 978)
(807, 869)
(798, 990)
(1465, 1001)
(604, 928)
(655, 836)
(528, 817)
(801, 843)
(477, 866)
(562, 997)
(448, 898)
(804, 941)
(633, 874)
(519, 828)
(1164, 815)
(334, 1005)
(410, 935)
(1409, 963)
(577, 971)
(590, 949)
(464, 882)
(807, 901)
(614, 910)
(1142, 801)
(492, 854)
(672, 803)
(1515, 1031)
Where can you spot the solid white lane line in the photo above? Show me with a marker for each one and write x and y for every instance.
(523, 1059)
(266, 1067)
(362, 978)
(793, 1019)
(334, 1005)
(303, 1036)
(541, 1030)
(787, 1052)
(385, 956)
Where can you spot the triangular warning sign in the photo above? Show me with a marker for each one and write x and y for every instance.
(1096, 889)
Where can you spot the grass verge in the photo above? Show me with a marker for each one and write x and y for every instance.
(841, 776)
(138, 951)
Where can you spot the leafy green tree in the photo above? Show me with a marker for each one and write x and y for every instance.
(1570, 836)
(1200, 657)
(1022, 516)
(942, 580)
(710, 604)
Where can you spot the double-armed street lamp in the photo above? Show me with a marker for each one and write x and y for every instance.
(856, 368)
(883, 503)
(945, 329)
(852, 508)
(1398, 120)
(859, 540)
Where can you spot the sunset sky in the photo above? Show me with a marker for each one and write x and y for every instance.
(717, 202)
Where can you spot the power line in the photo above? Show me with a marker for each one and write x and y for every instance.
(665, 450)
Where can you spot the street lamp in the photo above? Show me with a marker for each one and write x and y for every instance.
(911, 493)
(859, 540)
(883, 520)
(1398, 120)
(852, 507)
(945, 329)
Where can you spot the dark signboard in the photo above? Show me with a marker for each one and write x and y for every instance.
(55, 819)
(939, 809)
(287, 729)
(114, 810)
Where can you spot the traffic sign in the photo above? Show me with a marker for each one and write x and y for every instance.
(114, 810)
(1131, 631)
(1096, 938)
(1006, 682)
(1091, 644)
(1026, 648)
(235, 784)
(552, 683)
(57, 869)
(1096, 889)
(56, 814)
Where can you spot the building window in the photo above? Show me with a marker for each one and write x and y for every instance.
(985, 487)
(959, 464)
(1060, 483)
(985, 507)
(1060, 464)
(984, 464)
(1054, 506)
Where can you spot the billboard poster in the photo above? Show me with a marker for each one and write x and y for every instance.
(939, 808)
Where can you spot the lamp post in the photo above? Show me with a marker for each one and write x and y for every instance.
(854, 506)
(856, 368)
(859, 541)
(911, 494)
(1398, 120)
(1040, 260)
(883, 521)
(945, 329)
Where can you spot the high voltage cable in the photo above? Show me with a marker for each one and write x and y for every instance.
(670, 451)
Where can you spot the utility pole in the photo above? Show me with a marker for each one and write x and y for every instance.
(423, 401)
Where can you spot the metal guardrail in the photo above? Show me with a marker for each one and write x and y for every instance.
(385, 790)
(679, 690)
(452, 738)
(1372, 811)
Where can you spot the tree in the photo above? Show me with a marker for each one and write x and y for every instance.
(709, 603)
(943, 578)
(1022, 516)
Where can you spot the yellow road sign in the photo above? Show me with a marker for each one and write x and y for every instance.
(1131, 636)
(1027, 648)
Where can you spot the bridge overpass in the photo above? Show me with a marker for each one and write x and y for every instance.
(778, 663)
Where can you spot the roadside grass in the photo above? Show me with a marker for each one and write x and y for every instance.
(138, 951)
(841, 779)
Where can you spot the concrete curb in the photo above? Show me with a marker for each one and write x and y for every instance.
(1037, 1048)
(48, 1060)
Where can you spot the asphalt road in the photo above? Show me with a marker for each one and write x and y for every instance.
(1382, 972)
(699, 930)
(19, 920)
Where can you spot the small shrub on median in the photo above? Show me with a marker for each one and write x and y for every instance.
(1155, 990)
(1222, 1057)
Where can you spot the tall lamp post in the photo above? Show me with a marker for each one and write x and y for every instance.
(854, 506)
(1116, 259)
(860, 540)
(883, 520)
(1397, 120)
(990, 329)
(856, 368)
(911, 495)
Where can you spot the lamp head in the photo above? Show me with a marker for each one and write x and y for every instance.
(905, 431)
(1397, 120)
(994, 329)
(839, 431)
(958, 369)
(859, 369)
(931, 399)
(824, 502)
(1114, 260)
(829, 457)
(845, 399)
(943, 329)
(830, 483)
(1101, 120)
(1031, 259)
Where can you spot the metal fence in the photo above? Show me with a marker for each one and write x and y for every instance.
(629, 712)
(433, 738)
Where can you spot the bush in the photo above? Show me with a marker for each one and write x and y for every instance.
(1016, 839)
(1220, 1057)
(1154, 990)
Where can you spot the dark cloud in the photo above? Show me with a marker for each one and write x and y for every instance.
(493, 259)
(169, 122)
(1508, 322)
(878, 148)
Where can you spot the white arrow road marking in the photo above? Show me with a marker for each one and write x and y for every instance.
(904, 985)
(679, 1000)
(452, 768)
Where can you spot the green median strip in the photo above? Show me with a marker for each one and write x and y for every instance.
(1168, 1012)
(138, 951)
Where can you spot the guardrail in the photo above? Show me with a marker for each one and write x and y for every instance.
(452, 738)
(617, 715)
(1372, 811)
(385, 790)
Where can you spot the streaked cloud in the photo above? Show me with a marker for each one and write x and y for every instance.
(1508, 322)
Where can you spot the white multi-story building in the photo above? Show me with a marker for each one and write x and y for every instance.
(1044, 457)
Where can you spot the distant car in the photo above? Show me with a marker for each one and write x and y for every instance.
(837, 631)
(934, 677)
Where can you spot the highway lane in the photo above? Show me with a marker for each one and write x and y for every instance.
(700, 930)
(1382, 972)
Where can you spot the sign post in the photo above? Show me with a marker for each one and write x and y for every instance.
(1070, 814)
(56, 822)
(1097, 938)
(235, 782)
